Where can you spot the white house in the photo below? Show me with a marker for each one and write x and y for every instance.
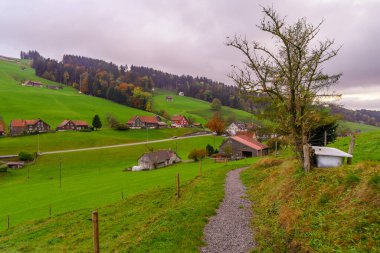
(329, 157)
(235, 127)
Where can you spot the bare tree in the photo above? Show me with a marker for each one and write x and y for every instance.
(290, 73)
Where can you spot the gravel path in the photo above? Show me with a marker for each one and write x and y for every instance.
(229, 230)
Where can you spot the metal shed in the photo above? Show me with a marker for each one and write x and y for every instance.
(326, 157)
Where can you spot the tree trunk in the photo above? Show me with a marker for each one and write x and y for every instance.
(306, 157)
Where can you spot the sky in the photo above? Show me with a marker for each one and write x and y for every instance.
(189, 36)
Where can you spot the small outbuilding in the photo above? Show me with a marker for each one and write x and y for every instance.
(15, 165)
(326, 157)
(158, 159)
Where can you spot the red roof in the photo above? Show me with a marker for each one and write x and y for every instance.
(64, 123)
(80, 123)
(245, 140)
(178, 118)
(145, 119)
(23, 122)
(2, 127)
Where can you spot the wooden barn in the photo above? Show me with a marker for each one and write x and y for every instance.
(72, 125)
(158, 159)
(179, 121)
(243, 146)
(144, 122)
(22, 126)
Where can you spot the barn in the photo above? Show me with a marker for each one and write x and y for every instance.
(158, 159)
(243, 146)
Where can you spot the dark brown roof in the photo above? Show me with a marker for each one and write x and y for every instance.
(145, 119)
(158, 156)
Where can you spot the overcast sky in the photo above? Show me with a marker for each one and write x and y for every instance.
(189, 36)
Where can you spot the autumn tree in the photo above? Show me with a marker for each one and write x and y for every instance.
(197, 154)
(216, 124)
(288, 73)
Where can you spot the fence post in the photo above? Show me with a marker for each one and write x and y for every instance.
(351, 149)
(178, 187)
(50, 211)
(122, 195)
(8, 222)
(200, 167)
(95, 230)
(306, 157)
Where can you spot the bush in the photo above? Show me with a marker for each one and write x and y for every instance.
(86, 130)
(25, 156)
(197, 154)
(210, 150)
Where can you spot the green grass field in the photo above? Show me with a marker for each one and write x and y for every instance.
(89, 179)
(152, 221)
(196, 108)
(367, 146)
(353, 126)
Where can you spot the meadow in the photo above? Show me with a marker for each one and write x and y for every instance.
(89, 179)
(196, 108)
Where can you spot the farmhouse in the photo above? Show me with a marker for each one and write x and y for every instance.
(32, 84)
(22, 126)
(72, 125)
(15, 165)
(235, 127)
(2, 128)
(326, 157)
(144, 122)
(158, 159)
(179, 121)
(243, 146)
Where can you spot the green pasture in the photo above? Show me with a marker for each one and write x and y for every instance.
(353, 126)
(89, 179)
(196, 108)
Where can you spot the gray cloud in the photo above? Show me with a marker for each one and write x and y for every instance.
(188, 37)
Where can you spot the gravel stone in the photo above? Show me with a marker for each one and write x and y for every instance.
(229, 230)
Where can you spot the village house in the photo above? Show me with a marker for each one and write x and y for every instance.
(32, 84)
(235, 127)
(21, 126)
(2, 128)
(326, 157)
(179, 121)
(239, 146)
(144, 122)
(15, 165)
(169, 98)
(158, 159)
(72, 125)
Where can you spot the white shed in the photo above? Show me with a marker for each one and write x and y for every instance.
(329, 157)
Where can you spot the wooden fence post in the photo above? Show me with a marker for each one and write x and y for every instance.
(95, 230)
(351, 149)
(200, 167)
(50, 211)
(178, 187)
(306, 157)
(8, 222)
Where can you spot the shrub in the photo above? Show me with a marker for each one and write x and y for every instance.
(210, 150)
(86, 130)
(197, 154)
(25, 156)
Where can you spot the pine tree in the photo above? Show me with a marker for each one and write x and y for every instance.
(96, 123)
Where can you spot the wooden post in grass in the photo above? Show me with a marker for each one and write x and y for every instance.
(351, 149)
(60, 172)
(178, 187)
(95, 231)
(50, 211)
(200, 167)
(306, 157)
(8, 222)
(122, 195)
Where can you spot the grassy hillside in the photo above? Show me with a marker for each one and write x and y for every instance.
(367, 146)
(154, 221)
(89, 179)
(53, 106)
(196, 108)
(326, 210)
(353, 126)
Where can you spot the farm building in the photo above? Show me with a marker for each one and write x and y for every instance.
(158, 159)
(144, 122)
(72, 125)
(243, 146)
(15, 165)
(2, 128)
(169, 98)
(326, 157)
(179, 121)
(32, 84)
(22, 126)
